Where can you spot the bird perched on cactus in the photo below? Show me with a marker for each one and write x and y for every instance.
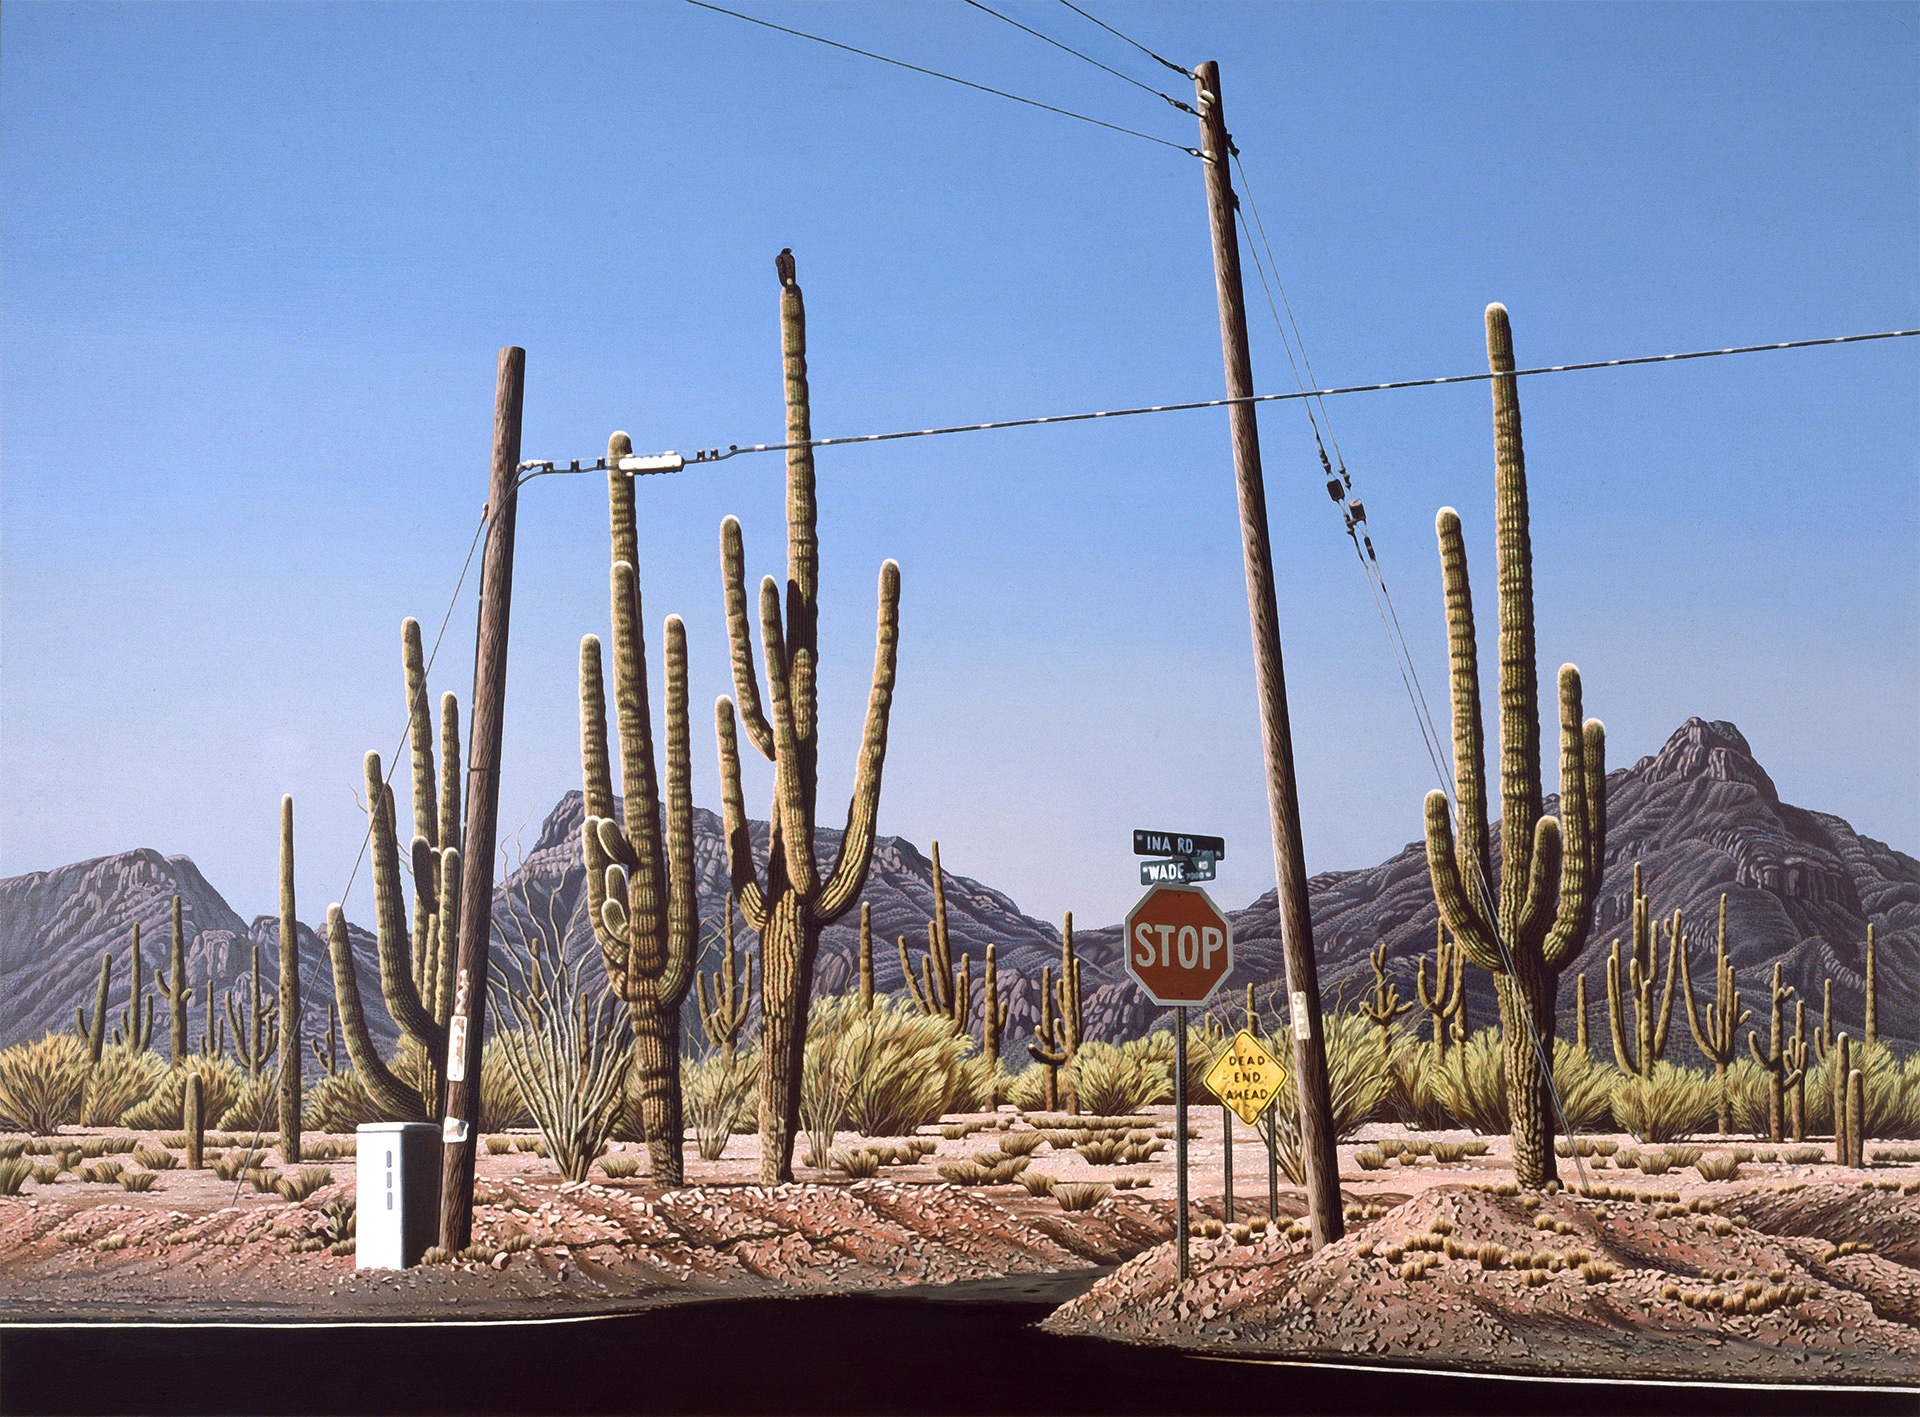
(1719, 1037)
(796, 900)
(1535, 922)
(1651, 1022)
(640, 892)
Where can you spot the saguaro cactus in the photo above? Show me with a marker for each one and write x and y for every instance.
(213, 1042)
(797, 900)
(1386, 1006)
(1057, 1036)
(329, 1057)
(1796, 1059)
(135, 1029)
(1550, 868)
(945, 988)
(640, 868)
(1446, 999)
(993, 1014)
(95, 1030)
(417, 968)
(1774, 1060)
(1580, 1011)
(174, 989)
(1651, 1022)
(193, 1120)
(722, 1016)
(1873, 1012)
(1856, 1118)
(1840, 1073)
(1719, 1038)
(289, 996)
(1823, 1039)
(256, 1033)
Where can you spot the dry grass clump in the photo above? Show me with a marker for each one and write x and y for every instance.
(234, 1163)
(1022, 1143)
(1802, 1155)
(620, 1168)
(102, 1172)
(139, 1180)
(156, 1160)
(1369, 1158)
(1038, 1183)
(860, 1163)
(499, 1146)
(14, 1171)
(1752, 1297)
(1845, 1247)
(1079, 1195)
(1668, 1105)
(1722, 1166)
(1491, 1255)
(1447, 1152)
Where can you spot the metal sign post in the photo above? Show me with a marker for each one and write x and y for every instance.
(1180, 1136)
(1247, 1078)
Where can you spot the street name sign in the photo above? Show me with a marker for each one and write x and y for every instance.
(1246, 1077)
(1179, 945)
(1155, 843)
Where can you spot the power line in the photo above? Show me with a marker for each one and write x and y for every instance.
(1178, 69)
(1128, 78)
(936, 74)
(673, 462)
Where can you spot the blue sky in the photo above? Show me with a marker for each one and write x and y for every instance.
(256, 262)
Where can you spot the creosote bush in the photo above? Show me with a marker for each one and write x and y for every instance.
(42, 1084)
(123, 1078)
(1670, 1104)
(1472, 1085)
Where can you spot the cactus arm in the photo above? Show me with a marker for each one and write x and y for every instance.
(1543, 884)
(1616, 1013)
(1519, 678)
(1582, 825)
(612, 947)
(906, 973)
(596, 768)
(1457, 910)
(733, 570)
(1708, 1038)
(1872, 1015)
(866, 952)
(426, 811)
(426, 893)
(1676, 947)
(849, 872)
(449, 941)
(789, 800)
(740, 867)
(451, 830)
(803, 538)
(388, 1092)
(683, 924)
(1474, 863)
(1753, 1045)
(396, 982)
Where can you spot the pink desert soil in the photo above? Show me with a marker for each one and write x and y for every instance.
(194, 1250)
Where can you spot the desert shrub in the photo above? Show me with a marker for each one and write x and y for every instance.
(1747, 1096)
(1655, 1163)
(717, 1097)
(42, 1084)
(1369, 1158)
(499, 1146)
(1670, 1104)
(620, 1168)
(1357, 1066)
(1152, 1055)
(256, 1108)
(859, 1164)
(1473, 1085)
(842, 1036)
(161, 1160)
(1022, 1143)
(1038, 1183)
(1447, 1152)
(1027, 1089)
(220, 1084)
(906, 1069)
(1413, 1097)
(123, 1078)
(976, 1087)
(340, 1103)
(1890, 1098)
(1111, 1079)
(14, 1171)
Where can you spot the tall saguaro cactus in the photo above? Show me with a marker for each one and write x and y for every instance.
(95, 1030)
(1719, 1038)
(993, 1013)
(1796, 1059)
(289, 996)
(1651, 1021)
(640, 869)
(417, 964)
(796, 900)
(1873, 1012)
(173, 988)
(866, 954)
(1386, 1007)
(722, 1016)
(1775, 1059)
(945, 988)
(1550, 868)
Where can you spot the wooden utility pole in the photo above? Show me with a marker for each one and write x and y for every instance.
(469, 1019)
(1283, 803)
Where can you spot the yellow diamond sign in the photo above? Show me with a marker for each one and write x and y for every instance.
(1246, 1077)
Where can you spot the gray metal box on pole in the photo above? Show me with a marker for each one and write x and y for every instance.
(397, 1178)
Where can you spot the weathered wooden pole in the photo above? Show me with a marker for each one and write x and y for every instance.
(1283, 803)
(468, 1021)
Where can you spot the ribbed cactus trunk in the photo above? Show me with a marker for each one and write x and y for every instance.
(797, 900)
(722, 1016)
(640, 891)
(95, 1030)
(289, 996)
(1775, 1060)
(174, 987)
(193, 1120)
(1550, 868)
(1873, 1002)
(1719, 1037)
(866, 954)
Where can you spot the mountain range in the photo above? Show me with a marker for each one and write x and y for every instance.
(1702, 818)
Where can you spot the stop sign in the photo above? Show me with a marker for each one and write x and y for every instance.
(1179, 945)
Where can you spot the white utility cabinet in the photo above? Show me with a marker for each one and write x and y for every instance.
(397, 1214)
